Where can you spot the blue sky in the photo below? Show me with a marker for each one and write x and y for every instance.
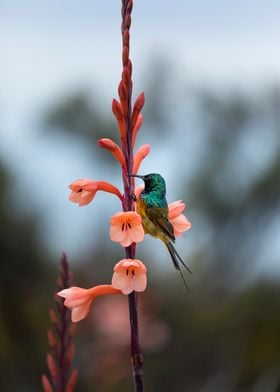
(48, 47)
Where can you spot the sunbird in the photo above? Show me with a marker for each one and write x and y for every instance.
(152, 206)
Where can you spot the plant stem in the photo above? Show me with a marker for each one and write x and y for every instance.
(136, 355)
(128, 205)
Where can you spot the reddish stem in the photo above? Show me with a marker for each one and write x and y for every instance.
(128, 204)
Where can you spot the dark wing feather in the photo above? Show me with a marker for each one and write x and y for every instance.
(159, 218)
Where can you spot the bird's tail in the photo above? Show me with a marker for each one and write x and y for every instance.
(175, 256)
(176, 260)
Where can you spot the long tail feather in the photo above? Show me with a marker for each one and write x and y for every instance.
(175, 257)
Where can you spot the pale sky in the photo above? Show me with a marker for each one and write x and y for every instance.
(49, 44)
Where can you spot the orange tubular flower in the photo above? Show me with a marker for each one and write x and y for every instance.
(122, 90)
(84, 190)
(114, 148)
(138, 105)
(118, 113)
(139, 156)
(179, 221)
(130, 275)
(126, 228)
(79, 299)
(136, 128)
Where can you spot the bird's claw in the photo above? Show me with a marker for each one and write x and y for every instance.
(133, 196)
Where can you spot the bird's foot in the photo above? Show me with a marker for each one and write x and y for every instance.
(133, 196)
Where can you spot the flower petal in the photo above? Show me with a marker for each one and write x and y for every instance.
(129, 275)
(79, 184)
(138, 190)
(139, 282)
(139, 266)
(80, 312)
(139, 156)
(117, 219)
(126, 227)
(75, 197)
(121, 217)
(180, 224)
(127, 241)
(121, 281)
(86, 198)
(138, 124)
(176, 208)
(128, 290)
(124, 264)
(134, 217)
(117, 234)
(113, 148)
(136, 233)
(74, 296)
(79, 299)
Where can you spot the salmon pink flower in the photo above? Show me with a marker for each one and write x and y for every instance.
(122, 90)
(179, 221)
(118, 113)
(114, 148)
(129, 275)
(138, 105)
(138, 190)
(79, 299)
(137, 126)
(84, 190)
(126, 228)
(139, 156)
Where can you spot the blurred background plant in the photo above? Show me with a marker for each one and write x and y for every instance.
(216, 140)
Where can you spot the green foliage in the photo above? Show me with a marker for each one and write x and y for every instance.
(24, 278)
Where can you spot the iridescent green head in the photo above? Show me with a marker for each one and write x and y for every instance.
(153, 183)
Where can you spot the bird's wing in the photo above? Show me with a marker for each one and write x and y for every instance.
(160, 220)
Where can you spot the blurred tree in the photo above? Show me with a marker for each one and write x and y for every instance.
(24, 276)
(79, 115)
(159, 84)
(236, 187)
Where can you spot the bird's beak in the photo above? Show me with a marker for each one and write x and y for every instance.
(135, 175)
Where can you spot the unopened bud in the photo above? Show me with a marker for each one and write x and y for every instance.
(139, 103)
(117, 109)
(46, 384)
(51, 365)
(72, 381)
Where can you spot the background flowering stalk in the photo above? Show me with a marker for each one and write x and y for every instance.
(62, 377)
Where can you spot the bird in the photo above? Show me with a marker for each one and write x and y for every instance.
(152, 206)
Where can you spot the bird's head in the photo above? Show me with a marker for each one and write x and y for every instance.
(153, 182)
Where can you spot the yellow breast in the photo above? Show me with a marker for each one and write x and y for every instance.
(140, 207)
(148, 225)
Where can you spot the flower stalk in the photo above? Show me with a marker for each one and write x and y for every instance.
(126, 227)
(125, 94)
